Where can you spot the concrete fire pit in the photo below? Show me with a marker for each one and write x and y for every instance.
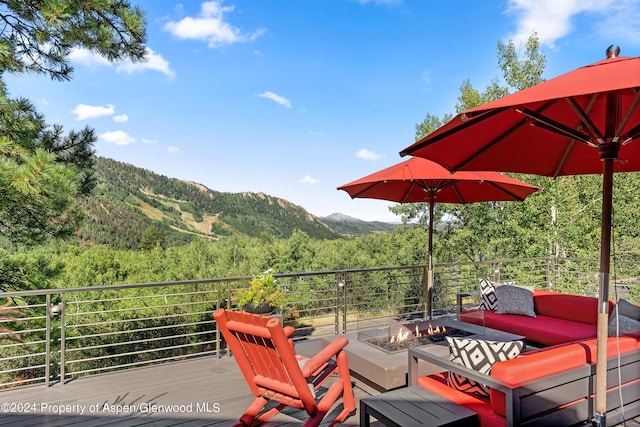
(387, 370)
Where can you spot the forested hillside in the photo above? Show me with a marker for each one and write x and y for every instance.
(127, 200)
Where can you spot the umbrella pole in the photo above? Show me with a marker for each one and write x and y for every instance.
(603, 297)
(429, 290)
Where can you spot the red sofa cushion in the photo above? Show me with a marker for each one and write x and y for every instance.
(565, 306)
(561, 318)
(542, 329)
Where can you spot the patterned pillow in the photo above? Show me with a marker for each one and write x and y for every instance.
(625, 308)
(624, 325)
(514, 300)
(479, 355)
(488, 299)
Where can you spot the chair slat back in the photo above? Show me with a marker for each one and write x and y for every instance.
(264, 353)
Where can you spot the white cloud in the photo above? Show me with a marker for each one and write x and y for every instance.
(148, 141)
(43, 101)
(87, 58)
(551, 19)
(121, 118)
(117, 137)
(153, 61)
(173, 149)
(210, 26)
(620, 24)
(308, 179)
(84, 111)
(367, 154)
(276, 98)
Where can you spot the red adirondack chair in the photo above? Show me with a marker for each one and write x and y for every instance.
(273, 371)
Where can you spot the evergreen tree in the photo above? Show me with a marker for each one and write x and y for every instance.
(41, 169)
(37, 36)
(152, 238)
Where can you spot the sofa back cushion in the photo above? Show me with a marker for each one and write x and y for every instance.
(569, 307)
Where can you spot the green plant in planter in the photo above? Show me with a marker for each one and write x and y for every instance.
(264, 292)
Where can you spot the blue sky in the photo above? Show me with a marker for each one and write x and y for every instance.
(294, 98)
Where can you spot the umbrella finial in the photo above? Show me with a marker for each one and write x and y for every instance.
(613, 51)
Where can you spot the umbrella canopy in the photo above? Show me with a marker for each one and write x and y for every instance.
(584, 122)
(421, 180)
(558, 127)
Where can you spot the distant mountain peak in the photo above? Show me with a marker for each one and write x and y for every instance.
(342, 217)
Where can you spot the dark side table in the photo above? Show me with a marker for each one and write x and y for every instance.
(414, 406)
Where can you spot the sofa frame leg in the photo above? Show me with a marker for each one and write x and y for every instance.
(600, 420)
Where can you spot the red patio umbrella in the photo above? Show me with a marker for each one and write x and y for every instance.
(584, 122)
(421, 180)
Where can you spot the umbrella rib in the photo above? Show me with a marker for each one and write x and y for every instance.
(631, 135)
(556, 127)
(364, 190)
(465, 124)
(504, 190)
(584, 118)
(404, 198)
(487, 147)
(572, 141)
(564, 158)
(458, 195)
(497, 140)
(628, 114)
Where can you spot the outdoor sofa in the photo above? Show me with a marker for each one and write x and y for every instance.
(559, 318)
(552, 385)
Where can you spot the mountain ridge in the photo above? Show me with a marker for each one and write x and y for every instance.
(128, 199)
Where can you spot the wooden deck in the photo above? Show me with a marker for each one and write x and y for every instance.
(201, 391)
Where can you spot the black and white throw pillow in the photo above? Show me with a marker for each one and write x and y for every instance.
(479, 355)
(488, 300)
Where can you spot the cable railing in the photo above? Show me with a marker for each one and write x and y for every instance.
(67, 333)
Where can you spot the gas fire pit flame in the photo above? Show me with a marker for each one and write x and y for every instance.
(403, 336)
(436, 331)
(421, 335)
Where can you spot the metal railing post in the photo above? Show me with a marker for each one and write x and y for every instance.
(336, 308)
(344, 302)
(47, 349)
(62, 338)
(217, 329)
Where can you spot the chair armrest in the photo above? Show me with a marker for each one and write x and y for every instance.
(460, 296)
(324, 355)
